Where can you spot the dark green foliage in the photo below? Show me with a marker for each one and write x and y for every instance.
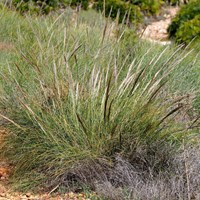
(82, 3)
(45, 6)
(151, 6)
(124, 10)
(35, 6)
(172, 2)
(189, 30)
(148, 6)
(186, 25)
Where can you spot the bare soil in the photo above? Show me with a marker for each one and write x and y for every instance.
(6, 46)
(157, 29)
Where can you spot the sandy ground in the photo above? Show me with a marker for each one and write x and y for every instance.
(157, 30)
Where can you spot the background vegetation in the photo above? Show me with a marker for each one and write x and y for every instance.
(185, 26)
(132, 10)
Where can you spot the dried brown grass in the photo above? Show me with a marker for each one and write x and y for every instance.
(6, 46)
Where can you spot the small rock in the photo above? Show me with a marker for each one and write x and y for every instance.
(28, 194)
(2, 194)
(3, 178)
(23, 197)
(81, 195)
(71, 195)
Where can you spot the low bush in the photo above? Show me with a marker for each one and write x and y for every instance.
(185, 26)
(124, 11)
(135, 9)
(148, 6)
(175, 2)
(35, 6)
(45, 7)
(81, 3)
(189, 30)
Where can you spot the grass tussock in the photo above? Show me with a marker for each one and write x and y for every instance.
(92, 110)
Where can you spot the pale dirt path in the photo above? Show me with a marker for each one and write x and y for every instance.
(157, 30)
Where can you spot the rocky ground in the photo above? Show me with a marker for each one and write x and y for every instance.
(155, 31)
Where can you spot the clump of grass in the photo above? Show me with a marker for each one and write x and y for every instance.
(76, 103)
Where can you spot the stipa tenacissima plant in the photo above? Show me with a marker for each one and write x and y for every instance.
(106, 111)
(81, 101)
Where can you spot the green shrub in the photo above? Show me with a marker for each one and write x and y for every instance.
(173, 2)
(189, 30)
(83, 3)
(44, 7)
(185, 26)
(124, 9)
(35, 6)
(149, 6)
